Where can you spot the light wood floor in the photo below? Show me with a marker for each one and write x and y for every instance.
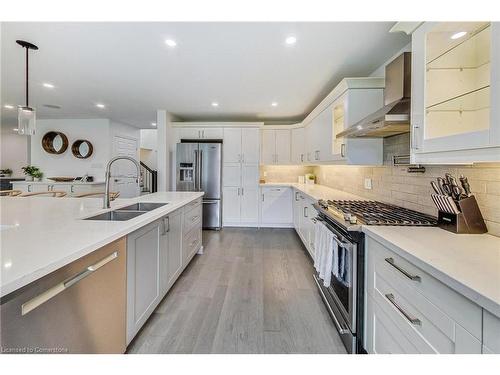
(250, 292)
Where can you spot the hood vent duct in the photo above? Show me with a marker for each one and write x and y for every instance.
(394, 117)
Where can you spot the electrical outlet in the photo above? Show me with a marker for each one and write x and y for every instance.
(368, 183)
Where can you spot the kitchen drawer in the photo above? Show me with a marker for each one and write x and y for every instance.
(192, 218)
(192, 205)
(458, 308)
(423, 323)
(191, 244)
(491, 333)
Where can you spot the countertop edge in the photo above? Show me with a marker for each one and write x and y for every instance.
(456, 285)
(142, 221)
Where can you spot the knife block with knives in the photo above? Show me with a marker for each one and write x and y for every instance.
(458, 211)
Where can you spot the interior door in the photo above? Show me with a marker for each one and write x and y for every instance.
(250, 146)
(210, 169)
(124, 173)
(232, 145)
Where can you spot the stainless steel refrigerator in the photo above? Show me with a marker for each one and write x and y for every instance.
(199, 168)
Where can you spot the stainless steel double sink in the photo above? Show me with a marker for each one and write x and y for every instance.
(127, 212)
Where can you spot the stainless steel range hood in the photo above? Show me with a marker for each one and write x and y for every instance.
(394, 117)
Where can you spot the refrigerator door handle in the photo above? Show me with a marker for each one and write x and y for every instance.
(196, 181)
(200, 170)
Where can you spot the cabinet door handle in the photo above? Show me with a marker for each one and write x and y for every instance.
(402, 270)
(296, 196)
(72, 188)
(305, 211)
(342, 150)
(242, 158)
(29, 188)
(262, 197)
(56, 289)
(203, 133)
(302, 158)
(242, 191)
(413, 145)
(166, 225)
(412, 320)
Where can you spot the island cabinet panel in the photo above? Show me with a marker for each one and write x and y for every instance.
(191, 235)
(144, 250)
(491, 333)
(409, 311)
(171, 250)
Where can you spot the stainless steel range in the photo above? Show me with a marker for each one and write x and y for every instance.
(344, 219)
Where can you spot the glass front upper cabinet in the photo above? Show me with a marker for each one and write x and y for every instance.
(457, 79)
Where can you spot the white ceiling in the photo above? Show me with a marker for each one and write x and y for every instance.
(242, 66)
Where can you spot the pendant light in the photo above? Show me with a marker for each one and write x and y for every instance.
(26, 115)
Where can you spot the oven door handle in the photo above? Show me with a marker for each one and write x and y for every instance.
(341, 329)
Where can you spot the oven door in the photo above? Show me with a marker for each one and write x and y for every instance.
(340, 296)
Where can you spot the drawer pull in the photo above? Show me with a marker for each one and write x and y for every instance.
(412, 320)
(403, 271)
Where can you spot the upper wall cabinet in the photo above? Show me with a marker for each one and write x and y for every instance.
(455, 92)
(241, 145)
(200, 133)
(298, 155)
(276, 146)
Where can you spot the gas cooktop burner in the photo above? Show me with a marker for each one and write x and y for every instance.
(377, 213)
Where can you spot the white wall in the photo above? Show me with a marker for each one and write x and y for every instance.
(99, 132)
(14, 151)
(149, 148)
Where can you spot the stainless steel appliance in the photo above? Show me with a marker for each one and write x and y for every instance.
(79, 308)
(344, 301)
(199, 168)
(394, 117)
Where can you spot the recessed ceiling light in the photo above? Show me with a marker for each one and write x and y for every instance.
(15, 129)
(48, 85)
(291, 40)
(458, 35)
(8, 106)
(99, 105)
(274, 104)
(170, 42)
(153, 124)
(215, 104)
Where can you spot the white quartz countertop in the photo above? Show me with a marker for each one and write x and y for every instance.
(315, 191)
(467, 263)
(50, 182)
(40, 235)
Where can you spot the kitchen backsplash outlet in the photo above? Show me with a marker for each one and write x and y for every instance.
(395, 185)
(283, 173)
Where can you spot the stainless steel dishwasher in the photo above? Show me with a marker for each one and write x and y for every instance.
(79, 308)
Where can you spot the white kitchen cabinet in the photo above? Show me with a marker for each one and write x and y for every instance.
(276, 146)
(276, 207)
(409, 311)
(455, 90)
(304, 221)
(144, 249)
(351, 107)
(241, 145)
(319, 137)
(199, 133)
(249, 206)
(240, 176)
(231, 210)
(240, 195)
(69, 188)
(298, 145)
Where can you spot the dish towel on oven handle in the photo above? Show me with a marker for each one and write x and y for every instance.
(326, 254)
(345, 266)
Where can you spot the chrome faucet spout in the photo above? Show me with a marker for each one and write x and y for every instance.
(106, 200)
